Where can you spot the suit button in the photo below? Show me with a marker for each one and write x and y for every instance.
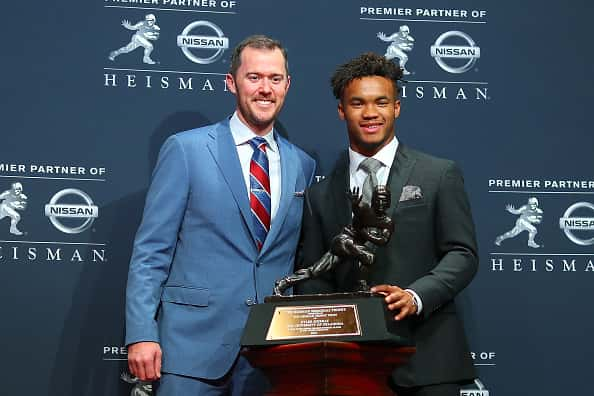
(250, 301)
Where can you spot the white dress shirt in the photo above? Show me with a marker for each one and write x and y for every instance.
(385, 156)
(357, 178)
(241, 136)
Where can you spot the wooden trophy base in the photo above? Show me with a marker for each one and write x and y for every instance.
(329, 367)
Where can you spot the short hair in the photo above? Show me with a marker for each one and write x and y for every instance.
(258, 41)
(365, 65)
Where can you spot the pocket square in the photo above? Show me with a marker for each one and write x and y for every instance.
(299, 193)
(410, 192)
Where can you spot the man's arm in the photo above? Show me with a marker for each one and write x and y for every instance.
(457, 254)
(151, 258)
(455, 244)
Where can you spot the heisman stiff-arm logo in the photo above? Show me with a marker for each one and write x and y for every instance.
(530, 215)
(400, 43)
(12, 201)
(145, 32)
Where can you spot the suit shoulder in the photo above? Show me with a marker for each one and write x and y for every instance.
(434, 170)
(336, 176)
(196, 134)
(308, 164)
(429, 161)
(298, 150)
(302, 154)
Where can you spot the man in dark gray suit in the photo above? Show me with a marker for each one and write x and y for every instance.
(432, 254)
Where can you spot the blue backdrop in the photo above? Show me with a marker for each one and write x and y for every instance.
(504, 90)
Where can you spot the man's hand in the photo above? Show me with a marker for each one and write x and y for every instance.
(397, 300)
(144, 360)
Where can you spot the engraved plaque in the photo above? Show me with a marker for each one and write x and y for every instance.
(311, 321)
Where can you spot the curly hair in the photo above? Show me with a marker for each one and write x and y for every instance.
(257, 41)
(365, 65)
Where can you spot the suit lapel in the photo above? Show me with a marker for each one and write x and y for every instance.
(340, 186)
(222, 148)
(290, 165)
(402, 166)
(399, 174)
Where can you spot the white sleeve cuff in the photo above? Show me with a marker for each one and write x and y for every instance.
(417, 299)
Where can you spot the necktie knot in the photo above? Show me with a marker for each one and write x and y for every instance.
(370, 166)
(258, 143)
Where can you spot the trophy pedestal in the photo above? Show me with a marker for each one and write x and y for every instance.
(342, 344)
(328, 367)
(352, 317)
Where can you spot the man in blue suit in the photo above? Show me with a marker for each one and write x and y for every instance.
(221, 224)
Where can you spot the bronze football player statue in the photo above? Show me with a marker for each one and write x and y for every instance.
(371, 227)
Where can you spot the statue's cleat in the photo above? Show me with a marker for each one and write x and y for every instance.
(15, 231)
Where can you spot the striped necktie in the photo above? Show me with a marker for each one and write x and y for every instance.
(260, 190)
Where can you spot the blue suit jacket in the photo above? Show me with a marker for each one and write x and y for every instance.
(195, 268)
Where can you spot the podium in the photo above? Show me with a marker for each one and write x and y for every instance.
(334, 368)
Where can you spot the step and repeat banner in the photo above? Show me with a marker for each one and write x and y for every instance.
(92, 89)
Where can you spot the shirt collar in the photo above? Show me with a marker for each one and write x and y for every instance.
(242, 134)
(385, 156)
